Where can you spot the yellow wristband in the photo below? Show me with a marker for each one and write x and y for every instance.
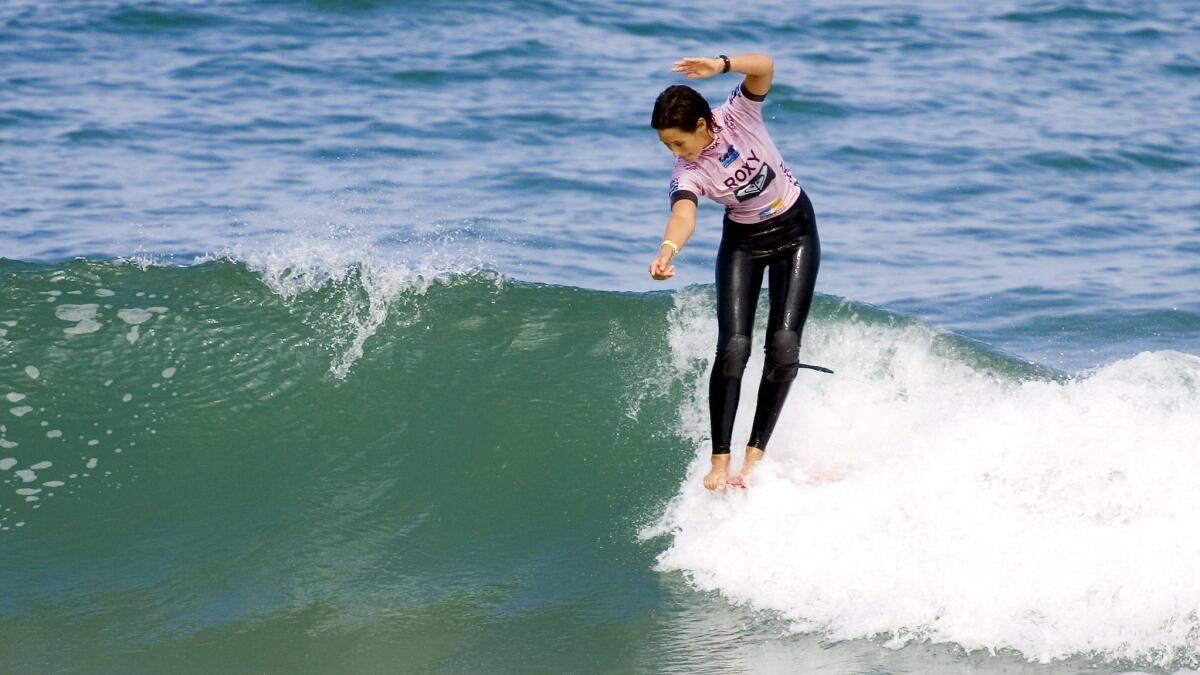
(668, 242)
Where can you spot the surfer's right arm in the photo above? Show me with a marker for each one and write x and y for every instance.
(680, 227)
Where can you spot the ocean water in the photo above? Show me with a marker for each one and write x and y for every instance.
(327, 343)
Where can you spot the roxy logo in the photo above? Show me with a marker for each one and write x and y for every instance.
(757, 184)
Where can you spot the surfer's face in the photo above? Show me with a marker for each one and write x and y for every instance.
(686, 144)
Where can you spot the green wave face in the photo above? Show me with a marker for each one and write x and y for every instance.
(199, 468)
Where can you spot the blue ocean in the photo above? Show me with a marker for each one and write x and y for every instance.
(327, 342)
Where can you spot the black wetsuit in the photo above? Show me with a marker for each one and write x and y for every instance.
(787, 247)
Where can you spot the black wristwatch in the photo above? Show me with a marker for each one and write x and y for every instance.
(726, 60)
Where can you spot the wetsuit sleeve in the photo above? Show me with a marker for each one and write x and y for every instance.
(745, 107)
(685, 185)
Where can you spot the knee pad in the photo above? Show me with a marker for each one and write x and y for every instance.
(783, 356)
(733, 357)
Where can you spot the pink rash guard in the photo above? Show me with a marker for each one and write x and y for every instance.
(741, 169)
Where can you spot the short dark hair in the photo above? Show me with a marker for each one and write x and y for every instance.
(680, 106)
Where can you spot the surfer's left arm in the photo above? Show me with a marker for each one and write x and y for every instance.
(759, 70)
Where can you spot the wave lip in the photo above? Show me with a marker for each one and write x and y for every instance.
(367, 287)
(918, 496)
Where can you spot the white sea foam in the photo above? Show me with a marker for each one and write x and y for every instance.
(76, 312)
(84, 315)
(134, 315)
(913, 496)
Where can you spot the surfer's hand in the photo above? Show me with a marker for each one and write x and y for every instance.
(661, 267)
(698, 68)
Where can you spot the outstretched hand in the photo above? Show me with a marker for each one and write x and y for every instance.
(698, 68)
(661, 267)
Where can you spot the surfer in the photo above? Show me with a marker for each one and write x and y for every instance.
(726, 155)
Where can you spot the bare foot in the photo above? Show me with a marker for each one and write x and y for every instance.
(752, 456)
(715, 480)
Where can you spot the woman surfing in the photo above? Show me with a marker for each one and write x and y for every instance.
(726, 155)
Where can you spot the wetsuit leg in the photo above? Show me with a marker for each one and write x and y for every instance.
(739, 280)
(792, 280)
